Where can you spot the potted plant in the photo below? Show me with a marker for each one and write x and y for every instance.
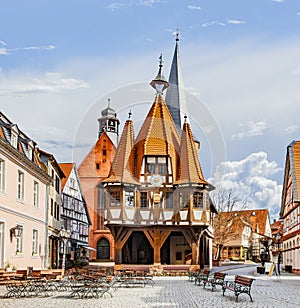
(288, 268)
(8, 266)
(261, 269)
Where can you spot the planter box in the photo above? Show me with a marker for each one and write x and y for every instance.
(260, 269)
(288, 268)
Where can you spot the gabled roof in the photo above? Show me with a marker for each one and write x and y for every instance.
(257, 219)
(292, 169)
(87, 166)
(122, 166)
(67, 169)
(158, 135)
(25, 145)
(277, 227)
(190, 168)
(54, 163)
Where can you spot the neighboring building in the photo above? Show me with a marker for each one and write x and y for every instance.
(54, 207)
(277, 229)
(23, 199)
(94, 168)
(74, 215)
(243, 233)
(156, 200)
(290, 207)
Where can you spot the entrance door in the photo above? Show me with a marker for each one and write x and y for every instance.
(103, 249)
(1, 244)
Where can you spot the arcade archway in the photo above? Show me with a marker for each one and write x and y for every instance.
(137, 249)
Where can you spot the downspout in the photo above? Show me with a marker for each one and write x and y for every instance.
(46, 227)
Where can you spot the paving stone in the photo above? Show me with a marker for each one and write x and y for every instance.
(177, 291)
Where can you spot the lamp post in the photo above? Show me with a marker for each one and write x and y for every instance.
(278, 237)
(64, 235)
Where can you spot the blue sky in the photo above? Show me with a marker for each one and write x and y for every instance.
(61, 60)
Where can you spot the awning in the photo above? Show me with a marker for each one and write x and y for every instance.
(87, 247)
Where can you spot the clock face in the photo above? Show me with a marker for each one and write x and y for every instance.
(156, 180)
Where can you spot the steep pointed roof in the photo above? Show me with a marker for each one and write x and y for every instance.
(87, 167)
(190, 168)
(175, 98)
(122, 165)
(66, 169)
(158, 134)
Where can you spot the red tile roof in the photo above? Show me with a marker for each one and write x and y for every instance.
(66, 169)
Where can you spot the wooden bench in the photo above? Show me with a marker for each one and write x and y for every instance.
(202, 277)
(176, 270)
(217, 279)
(240, 285)
(193, 272)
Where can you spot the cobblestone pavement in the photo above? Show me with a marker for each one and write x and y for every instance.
(171, 292)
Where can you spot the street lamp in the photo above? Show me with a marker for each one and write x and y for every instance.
(64, 235)
(278, 237)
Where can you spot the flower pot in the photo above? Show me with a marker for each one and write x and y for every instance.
(260, 269)
(288, 268)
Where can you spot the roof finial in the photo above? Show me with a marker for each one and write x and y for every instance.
(185, 118)
(177, 35)
(129, 114)
(159, 83)
(160, 64)
(108, 102)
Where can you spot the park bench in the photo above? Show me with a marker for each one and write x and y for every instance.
(202, 277)
(175, 270)
(217, 279)
(240, 285)
(193, 272)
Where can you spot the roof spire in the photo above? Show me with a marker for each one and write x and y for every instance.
(108, 102)
(177, 35)
(129, 114)
(159, 83)
(175, 98)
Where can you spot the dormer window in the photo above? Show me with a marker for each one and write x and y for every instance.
(14, 140)
(14, 136)
(30, 149)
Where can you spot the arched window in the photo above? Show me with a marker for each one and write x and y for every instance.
(103, 249)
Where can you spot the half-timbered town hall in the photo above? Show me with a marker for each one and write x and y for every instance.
(153, 205)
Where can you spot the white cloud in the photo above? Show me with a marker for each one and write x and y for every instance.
(194, 7)
(251, 129)
(221, 23)
(3, 52)
(291, 129)
(235, 21)
(278, 1)
(252, 179)
(298, 13)
(150, 3)
(213, 23)
(115, 6)
(6, 51)
(48, 82)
